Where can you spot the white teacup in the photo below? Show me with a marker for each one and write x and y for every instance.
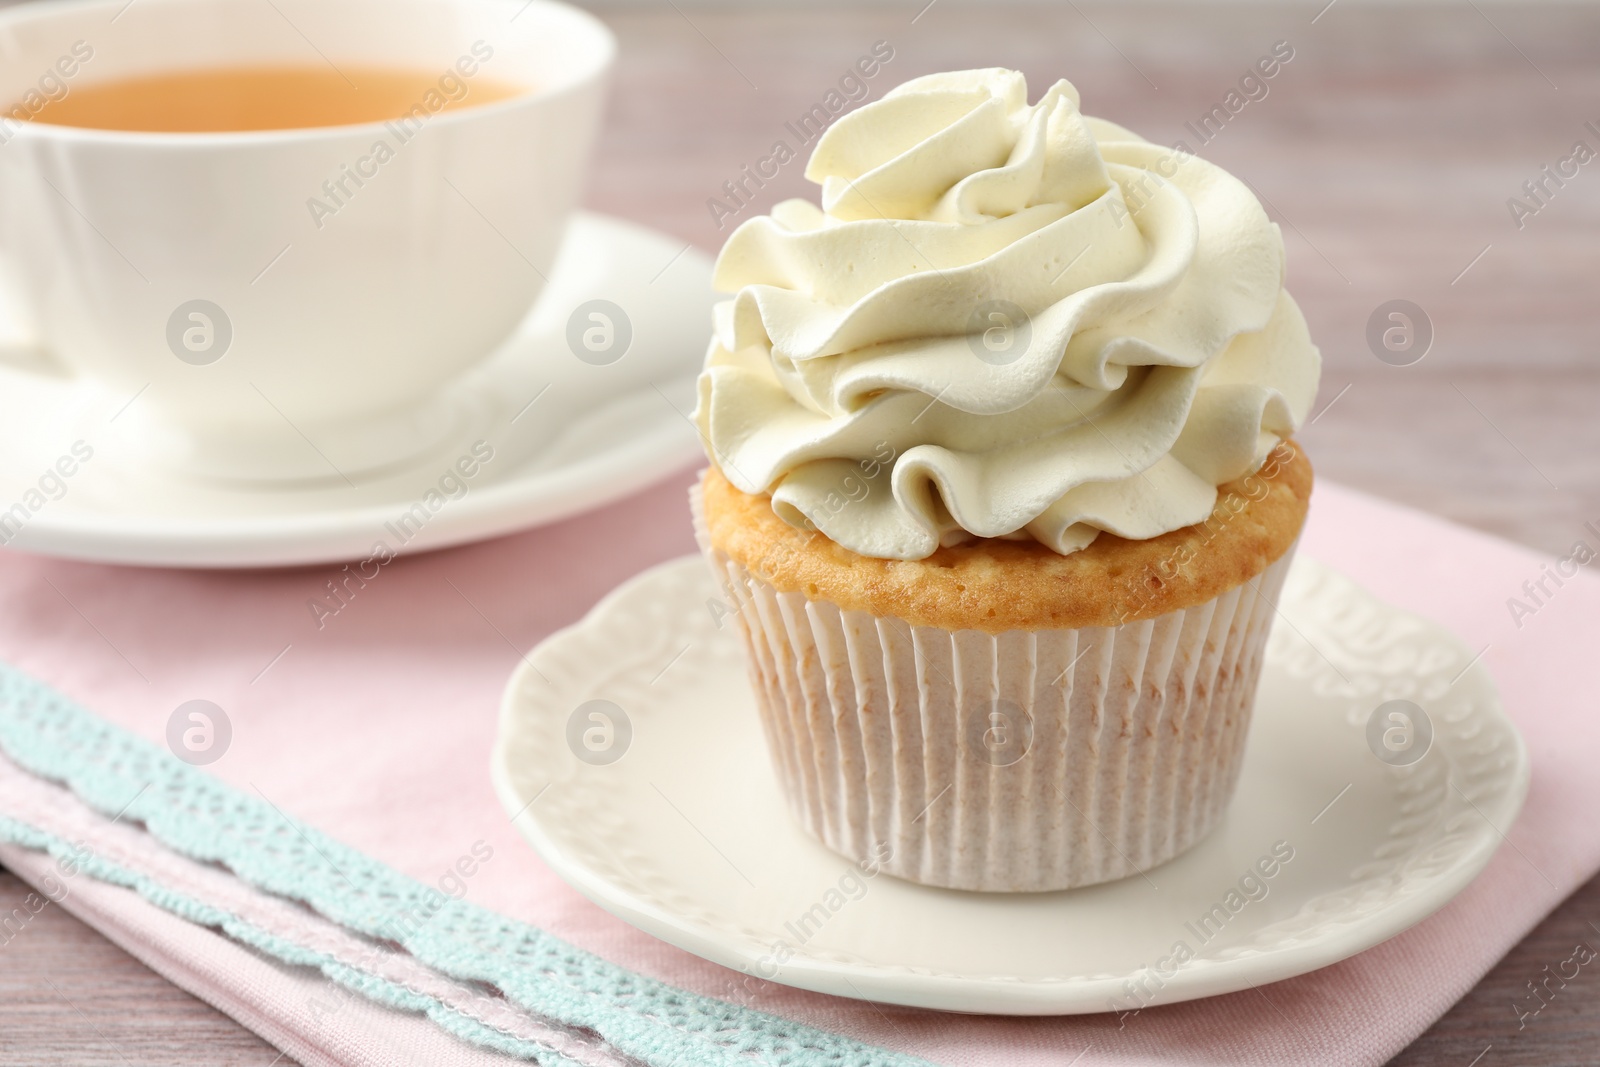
(265, 336)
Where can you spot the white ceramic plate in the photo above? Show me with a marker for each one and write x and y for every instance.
(592, 434)
(686, 836)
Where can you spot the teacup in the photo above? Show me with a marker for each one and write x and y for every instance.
(291, 303)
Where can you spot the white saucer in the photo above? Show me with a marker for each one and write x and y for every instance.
(594, 434)
(685, 835)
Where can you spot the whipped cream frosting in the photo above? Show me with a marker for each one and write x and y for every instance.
(1005, 321)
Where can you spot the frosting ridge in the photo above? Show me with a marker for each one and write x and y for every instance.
(1005, 320)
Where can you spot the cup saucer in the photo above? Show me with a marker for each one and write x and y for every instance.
(631, 758)
(550, 425)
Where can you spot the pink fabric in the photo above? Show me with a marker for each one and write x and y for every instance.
(282, 1004)
(377, 728)
(329, 1024)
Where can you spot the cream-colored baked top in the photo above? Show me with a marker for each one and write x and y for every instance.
(1005, 321)
(997, 585)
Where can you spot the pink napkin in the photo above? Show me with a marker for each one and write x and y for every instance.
(376, 727)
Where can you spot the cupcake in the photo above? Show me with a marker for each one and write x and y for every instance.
(1003, 488)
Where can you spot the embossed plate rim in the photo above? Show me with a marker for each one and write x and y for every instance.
(1411, 896)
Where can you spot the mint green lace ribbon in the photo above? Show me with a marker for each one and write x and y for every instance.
(118, 773)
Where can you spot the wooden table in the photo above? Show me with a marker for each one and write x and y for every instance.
(1387, 149)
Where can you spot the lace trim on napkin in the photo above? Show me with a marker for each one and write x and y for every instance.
(238, 864)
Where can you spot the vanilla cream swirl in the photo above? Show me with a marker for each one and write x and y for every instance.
(1005, 321)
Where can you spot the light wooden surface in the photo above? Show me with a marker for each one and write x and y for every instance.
(70, 997)
(1386, 148)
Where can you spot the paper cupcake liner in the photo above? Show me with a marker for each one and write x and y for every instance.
(1019, 762)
